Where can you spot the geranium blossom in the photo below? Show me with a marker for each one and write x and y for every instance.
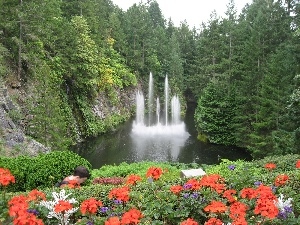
(298, 164)
(133, 179)
(270, 166)
(213, 221)
(62, 216)
(90, 206)
(281, 180)
(176, 189)
(113, 221)
(154, 172)
(229, 195)
(189, 222)
(121, 194)
(6, 177)
(133, 216)
(216, 207)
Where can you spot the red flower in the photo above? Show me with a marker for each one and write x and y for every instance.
(249, 193)
(213, 221)
(18, 206)
(229, 195)
(27, 219)
(113, 221)
(214, 181)
(298, 164)
(133, 216)
(192, 184)
(73, 184)
(189, 222)
(270, 166)
(281, 179)
(266, 208)
(154, 172)
(62, 206)
(238, 212)
(215, 207)
(121, 194)
(133, 179)
(6, 177)
(90, 206)
(36, 195)
(176, 189)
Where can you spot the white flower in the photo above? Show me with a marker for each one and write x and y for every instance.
(281, 204)
(61, 196)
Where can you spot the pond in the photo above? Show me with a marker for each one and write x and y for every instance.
(124, 145)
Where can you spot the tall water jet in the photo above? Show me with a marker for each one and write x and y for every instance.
(157, 110)
(150, 99)
(175, 110)
(166, 99)
(140, 108)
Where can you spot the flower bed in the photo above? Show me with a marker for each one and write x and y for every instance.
(240, 193)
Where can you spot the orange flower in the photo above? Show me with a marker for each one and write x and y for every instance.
(133, 179)
(133, 216)
(215, 207)
(121, 194)
(62, 206)
(36, 195)
(270, 166)
(213, 221)
(229, 195)
(176, 189)
(238, 211)
(192, 184)
(18, 205)
(27, 219)
(90, 206)
(73, 184)
(189, 222)
(298, 164)
(154, 172)
(249, 193)
(266, 208)
(113, 221)
(6, 177)
(281, 179)
(214, 181)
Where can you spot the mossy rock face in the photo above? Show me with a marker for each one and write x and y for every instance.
(203, 138)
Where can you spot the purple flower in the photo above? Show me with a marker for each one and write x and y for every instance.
(231, 167)
(257, 183)
(33, 211)
(104, 209)
(187, 186)
(194, 195)
(118, 202)
(185, 195)
(89, 223)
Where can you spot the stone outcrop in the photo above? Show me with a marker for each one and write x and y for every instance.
(13, 141)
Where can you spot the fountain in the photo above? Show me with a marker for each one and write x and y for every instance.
(174, 127)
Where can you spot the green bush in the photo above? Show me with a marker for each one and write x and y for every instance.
(43, 170)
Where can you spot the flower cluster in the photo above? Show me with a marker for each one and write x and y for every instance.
(6, 177)
(216, 202)
(154, 172)
(20, 211)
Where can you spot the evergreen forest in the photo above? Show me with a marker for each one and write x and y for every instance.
(242, 69)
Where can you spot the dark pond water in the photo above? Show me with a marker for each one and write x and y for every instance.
(124, 146)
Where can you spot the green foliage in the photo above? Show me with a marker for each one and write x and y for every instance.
(43, 170)
(159, 205)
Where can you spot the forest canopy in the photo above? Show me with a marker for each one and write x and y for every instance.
(241, 70)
